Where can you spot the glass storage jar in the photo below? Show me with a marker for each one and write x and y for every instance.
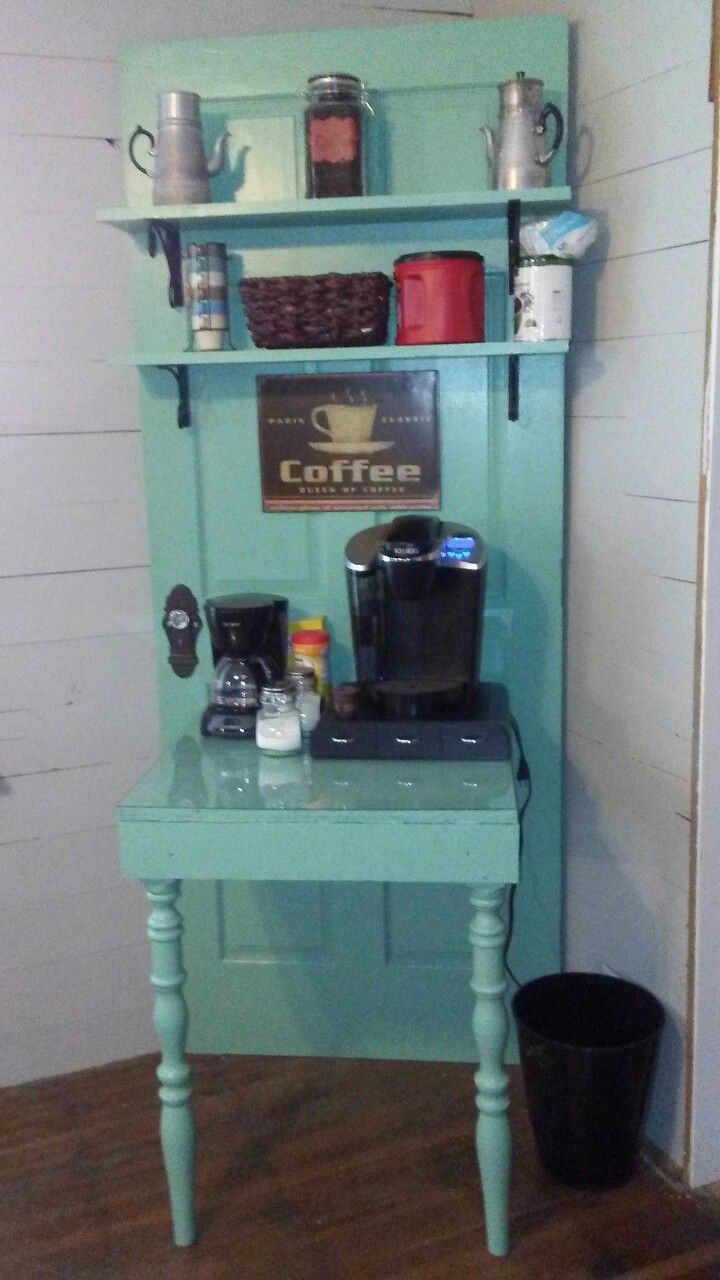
(206, 296)
(334, 135)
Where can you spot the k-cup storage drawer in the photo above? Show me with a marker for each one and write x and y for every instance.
(336, 740)
(476, 740)
(412, 740)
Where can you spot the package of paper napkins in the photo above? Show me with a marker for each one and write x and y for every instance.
(567, 235)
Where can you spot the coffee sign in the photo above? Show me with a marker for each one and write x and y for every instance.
(349, 442)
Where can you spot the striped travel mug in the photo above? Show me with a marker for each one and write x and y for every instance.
(206, 296)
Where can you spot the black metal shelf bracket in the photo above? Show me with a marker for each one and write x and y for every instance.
(513, 236)
(181, 374)
(513, 232)
(169, 238)
(513, 388)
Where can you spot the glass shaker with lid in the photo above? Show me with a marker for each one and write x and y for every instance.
(334, 135)
(277, 725)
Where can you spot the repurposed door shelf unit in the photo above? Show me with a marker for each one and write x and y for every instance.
(164, 224)
(337, 924)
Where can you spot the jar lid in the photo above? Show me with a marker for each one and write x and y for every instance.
(311, 637)
(440, 253)
(335, 80)
(277, 695)
(303, 679)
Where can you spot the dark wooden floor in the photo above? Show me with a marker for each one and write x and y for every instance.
(311, 1170)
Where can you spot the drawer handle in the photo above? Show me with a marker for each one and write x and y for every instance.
(342, 742)
(406, 742)
(469, 742)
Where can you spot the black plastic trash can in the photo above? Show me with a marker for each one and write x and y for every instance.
(587, 1048)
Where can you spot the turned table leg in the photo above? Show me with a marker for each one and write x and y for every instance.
(490, 1024)
(177, 1133)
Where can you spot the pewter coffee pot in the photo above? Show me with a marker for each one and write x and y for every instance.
(518, 156)
(182, 172)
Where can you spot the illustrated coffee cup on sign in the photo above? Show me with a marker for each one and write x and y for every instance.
(346, 423)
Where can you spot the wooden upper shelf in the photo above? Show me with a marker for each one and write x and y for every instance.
(344, 211)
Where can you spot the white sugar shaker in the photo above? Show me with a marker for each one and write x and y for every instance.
(277, 724)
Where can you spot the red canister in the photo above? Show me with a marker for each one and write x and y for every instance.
(440, 297)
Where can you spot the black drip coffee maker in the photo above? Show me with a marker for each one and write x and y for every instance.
(248, 634)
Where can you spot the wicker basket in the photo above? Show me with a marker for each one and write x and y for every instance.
(317, 311)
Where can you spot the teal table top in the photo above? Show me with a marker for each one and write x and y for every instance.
(211, 807)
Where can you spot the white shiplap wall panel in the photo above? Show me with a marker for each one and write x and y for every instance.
(81, 252)
(70, 606)
(75, 1012)
(54, 804)
(75, 394)
(625, 812)
(76, 986)
(624, 42)
(639, 126)
(54, 926)
(40, 325)
(65, 175)
(642, 130)
(663, 292)
(57, 97)
(75, 502)
(642, 611)
(647, 535)
(648, 378)
(649, 921)
(79, 468)
(644, 713)
(62, 538)
(81, 862)
(64, 689)
(637, 454)
(83, 30)
(620, 42)
(650, 209)
(72, 468)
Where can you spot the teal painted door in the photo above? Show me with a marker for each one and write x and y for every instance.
(357, 969)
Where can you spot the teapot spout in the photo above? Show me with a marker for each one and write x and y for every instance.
(489, 137)
(216, 159)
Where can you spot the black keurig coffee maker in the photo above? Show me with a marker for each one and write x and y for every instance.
(248, 634)
(416, 589)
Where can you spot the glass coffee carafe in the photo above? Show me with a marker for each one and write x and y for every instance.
(235, 685)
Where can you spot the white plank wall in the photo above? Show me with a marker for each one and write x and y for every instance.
(77, 700)
(641, 139)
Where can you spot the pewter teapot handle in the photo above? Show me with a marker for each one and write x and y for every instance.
(140, 133)
(550, 110)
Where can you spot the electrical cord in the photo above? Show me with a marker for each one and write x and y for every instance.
(522, 775)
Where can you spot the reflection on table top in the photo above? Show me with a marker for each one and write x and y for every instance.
(212, 778)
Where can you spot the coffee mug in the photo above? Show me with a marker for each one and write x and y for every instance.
(347, 423)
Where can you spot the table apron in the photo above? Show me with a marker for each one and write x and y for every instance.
(452, 852)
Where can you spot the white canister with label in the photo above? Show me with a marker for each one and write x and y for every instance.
(543, 299)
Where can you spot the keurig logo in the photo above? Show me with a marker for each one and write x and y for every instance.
(375, 434)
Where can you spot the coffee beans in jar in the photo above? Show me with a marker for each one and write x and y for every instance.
(334, 135)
